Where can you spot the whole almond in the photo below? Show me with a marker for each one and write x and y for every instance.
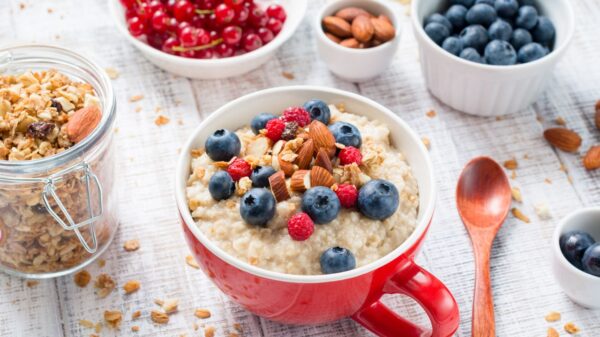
(337, 26)
(83, 122)
(564, 139)
(383, 29)
(350, 13)
(278, 186)
(333, 37)
(320, 177)
(362, 28)
(322, 137)
(323, 160)
(350, 43)
(385, 18)
(591, 160)
(300, 181)
(597, 116)
(305, 154)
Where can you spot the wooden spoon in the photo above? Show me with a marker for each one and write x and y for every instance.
(483, 199)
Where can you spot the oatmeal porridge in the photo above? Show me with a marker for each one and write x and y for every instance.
(316, 190)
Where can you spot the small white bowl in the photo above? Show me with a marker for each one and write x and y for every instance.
(356, 65)
(488, 90)
(215, 68)
(581, 287)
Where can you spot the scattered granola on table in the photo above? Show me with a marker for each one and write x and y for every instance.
(82, 278)
(105, 285)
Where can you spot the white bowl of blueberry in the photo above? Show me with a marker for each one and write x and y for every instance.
(576, 250)
(490, 57)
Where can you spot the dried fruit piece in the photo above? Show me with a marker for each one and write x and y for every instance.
(323, 160)
(300, 181)
(83, 122)
(337, 26)
(320, 177)
(564, 139)
(279, 187)
(82, 278)
(591, 160)
(40, 130)
(322, 137)
(362, 28)
(350, 13)
(383, 29)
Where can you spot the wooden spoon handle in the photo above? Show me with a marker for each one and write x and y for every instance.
(483, 324)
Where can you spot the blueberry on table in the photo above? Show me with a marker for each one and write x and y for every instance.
(500, 30)
(346, 133)
(506, 8)
(456, 15)
(257, 206)
(222, 145)
(466, 3)
(318, 110)
(321, 204)
(500, 53)
(527, 17)
(439, 18)
(531, 52)
(453, 45)
(472, 55)
(221, 186)
(544, 31)
(520, 37)
(474, 36)
(378, 199)
(573, 245)
(481, 14)
(259, 121)
(260, 176)
(337, 260)
(591, 260)
(437, 32)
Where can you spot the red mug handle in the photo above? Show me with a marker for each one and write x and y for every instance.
(425, 289)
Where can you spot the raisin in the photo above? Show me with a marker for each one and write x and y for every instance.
(55, 104)
(289, 133)
(40, 130)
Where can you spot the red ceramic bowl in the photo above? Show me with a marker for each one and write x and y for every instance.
(316, 299)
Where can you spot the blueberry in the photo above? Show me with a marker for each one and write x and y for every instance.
(466, 3)
(222, 145)
(544, 31)
(260, 176)
(437, 32)
(591, 260)
(257, 206)
(318, 110)
(474, 36)
(453, 45)
(520, 37)
(487, 2)
(259, 121)
(481, 14)
(472, 55)
(456, 15)
(506, 8)
(378, 199)
(527, 17)
(500, 30)
(573, 245)
(321, 204)
(531, 52)
(346, 133)
(439, 18)
(500, 53)
(337, 260)
(221, 186)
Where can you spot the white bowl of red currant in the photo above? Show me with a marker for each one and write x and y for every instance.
(207, 39)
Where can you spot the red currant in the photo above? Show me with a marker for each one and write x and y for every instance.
(127, 3)
(224, 14)
(232, 35)
(277, 12)
(257, 17)
(274, 25)
(207, 4)
(265, 35)
(188, 53)
(181, 26)
(157, 40)
(252, 42)
(136, 26)
(203, 37)
(241, 16)
(160, 21)
(154, 6)
(143, 12)
(188, 37)
(234, 3)
(183, 10)
(204, 54)
(224, 50)
(171, 42)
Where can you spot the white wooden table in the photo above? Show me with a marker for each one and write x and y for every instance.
(524, 288)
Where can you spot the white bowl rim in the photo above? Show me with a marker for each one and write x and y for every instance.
(556, 245)
(554, 54)
(281, 38)
(423, 223)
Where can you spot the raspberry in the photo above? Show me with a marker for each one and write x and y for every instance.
(300, 226)
(275, 128)
(238, 169)
(349, 155)
(296, 114)
(348, 194)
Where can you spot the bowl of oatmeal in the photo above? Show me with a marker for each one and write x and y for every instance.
(317, 196)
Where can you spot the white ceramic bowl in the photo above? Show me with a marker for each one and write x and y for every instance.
(581, 287)
(356, 65)
(215, 68)
(488, 90)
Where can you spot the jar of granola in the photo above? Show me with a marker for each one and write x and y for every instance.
(57, 196)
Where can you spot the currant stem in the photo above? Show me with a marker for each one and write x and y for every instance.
(206, 46)
(204, 11)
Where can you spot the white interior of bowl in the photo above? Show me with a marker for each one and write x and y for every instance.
(239, 112)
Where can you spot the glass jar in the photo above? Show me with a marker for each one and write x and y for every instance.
(59, 213)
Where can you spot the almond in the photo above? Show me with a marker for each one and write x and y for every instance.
(337, 26)
(597, 116)
(564, 139)
(323, 160)
(279, 187)
(305, 154)
(385, 18)
(258, 147)
(350, 13)
(320, 177)
(591, 161)
(322, 137)
(277, 147)
(362, 28)
(300, 181)
(83, 122)
(333, 38)
(383, 29)
(350, 43)
(285, 166)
